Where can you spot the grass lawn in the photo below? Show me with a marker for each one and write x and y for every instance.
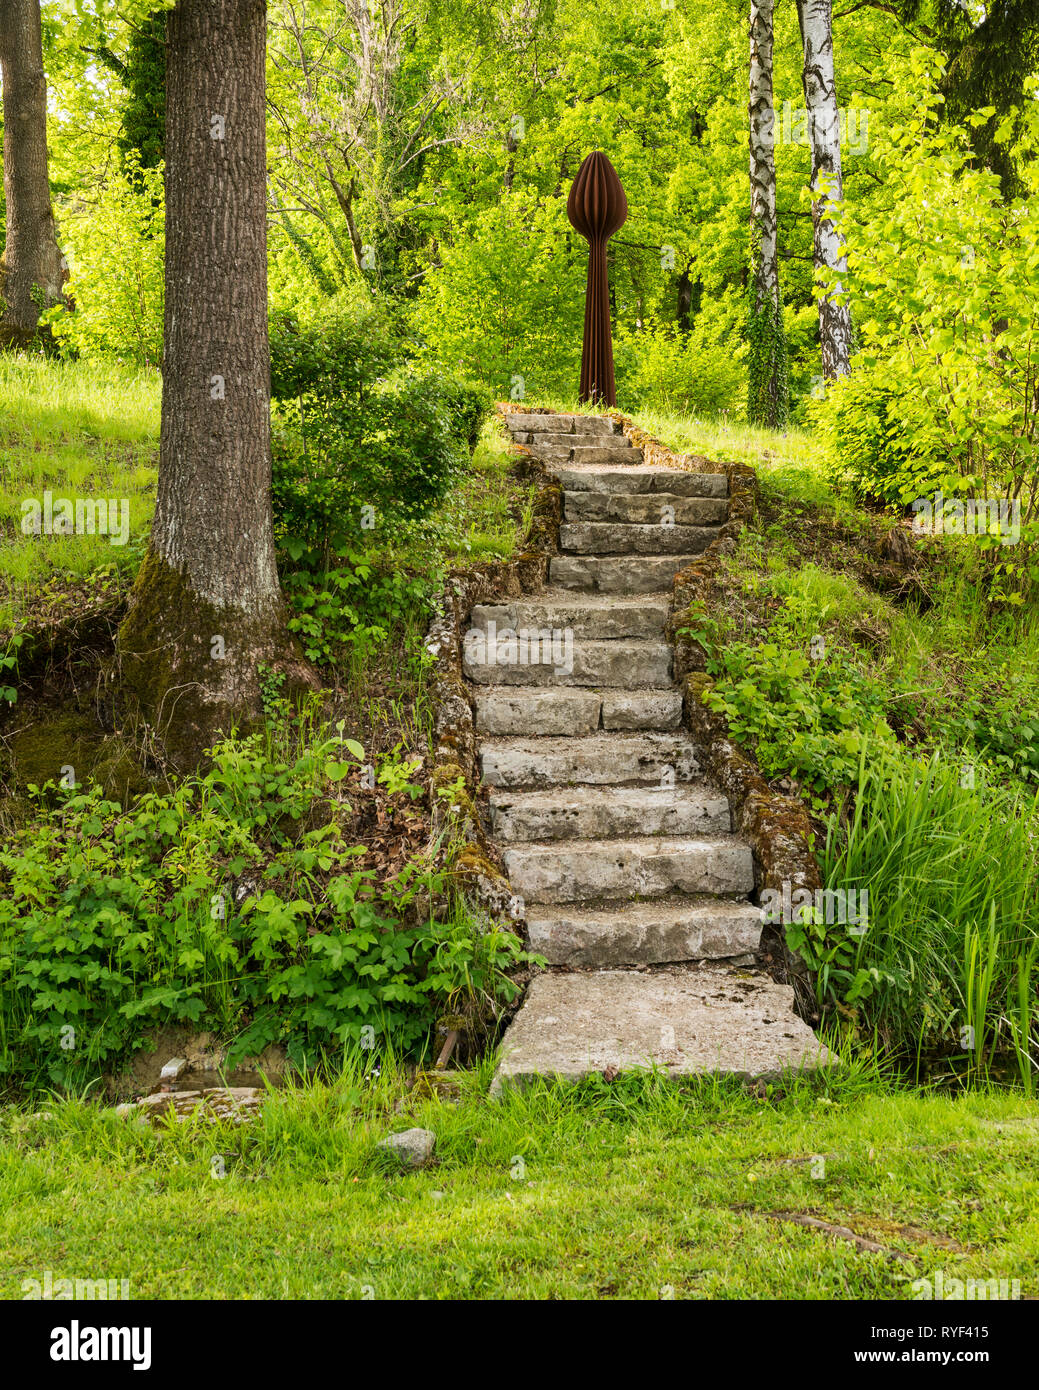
(637, 1188)
(78, 430)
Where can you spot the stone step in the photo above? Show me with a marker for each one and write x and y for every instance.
(613, 452)
(569, 710)
(557, 711)
(640, 477)
(588, 619)
(601, 759)
(651, 508)
(572, 871)
(529, 423)
(684, 1019)
(616, 574)
(616, 538)
(557, 455)
(592, 813)
(653, 933)
(559, 660)
(572, 440)
(628, 710)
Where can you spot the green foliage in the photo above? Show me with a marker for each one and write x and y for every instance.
(354, 604)
(115, 248)
(949, 328)
(468, 404)
(504, 306)
(232, 903)
(9, 667)
(143, 77)
(804, 717)
(879, 445)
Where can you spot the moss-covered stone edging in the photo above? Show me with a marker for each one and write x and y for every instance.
(455, 817)
(777, 827)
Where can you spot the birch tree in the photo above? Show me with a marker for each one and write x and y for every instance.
(815, 18)
(767, 390)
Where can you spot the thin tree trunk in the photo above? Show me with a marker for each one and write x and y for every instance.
(767, 387)
(815, 18)
(33, 270)
(206, 609)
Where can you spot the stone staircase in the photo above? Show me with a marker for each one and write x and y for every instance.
(634, 888)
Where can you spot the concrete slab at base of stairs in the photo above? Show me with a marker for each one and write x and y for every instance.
(687, 1019)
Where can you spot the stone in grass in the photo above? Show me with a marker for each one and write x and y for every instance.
(235, 1103)
(412, 1147)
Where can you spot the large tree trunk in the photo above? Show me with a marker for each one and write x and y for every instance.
(206, 609)
(820, 89)
(767, 397)
(33, 269)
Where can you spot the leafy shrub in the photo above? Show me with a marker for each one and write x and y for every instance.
(469, 404)
(504, 306)
(233, 903)
(877, 442)
(950, 319)
(695, 374)
(355, 604)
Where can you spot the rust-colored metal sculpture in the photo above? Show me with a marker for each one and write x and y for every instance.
(597, 207)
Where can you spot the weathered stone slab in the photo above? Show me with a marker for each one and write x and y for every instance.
(558, 662)
(620, 452)
(650, 508)
(562, 424)
(583, 870)
(593, 618)
(616, 574)
(616, 538)
(213, 1105)
(601, 759)
(642, 709)
(650, 933)
(561, 712)
(686, 1020)
(640, 477)
(595, 813)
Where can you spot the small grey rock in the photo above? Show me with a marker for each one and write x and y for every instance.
(414, 1147)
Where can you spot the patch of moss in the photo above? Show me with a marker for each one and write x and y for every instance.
(70, 738)
(187, 672)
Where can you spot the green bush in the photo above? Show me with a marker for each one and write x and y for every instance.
(469, 404)
(877, 443)
(696, 374)
(364, 441)
(354, 604)
(804, 718)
